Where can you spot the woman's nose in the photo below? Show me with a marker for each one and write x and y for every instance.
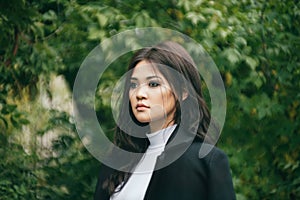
(141, 92)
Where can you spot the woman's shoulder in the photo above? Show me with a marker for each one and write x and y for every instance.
(191, 149)
(205, 149)
(206, 152)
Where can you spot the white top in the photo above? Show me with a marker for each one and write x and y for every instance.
(138, 182)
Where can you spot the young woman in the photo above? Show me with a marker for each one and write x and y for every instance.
(164, 115)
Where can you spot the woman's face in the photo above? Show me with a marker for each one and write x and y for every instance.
(152, 100)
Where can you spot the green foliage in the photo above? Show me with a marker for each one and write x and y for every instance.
(255, 45)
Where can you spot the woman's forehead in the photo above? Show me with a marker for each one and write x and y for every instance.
(145, 69)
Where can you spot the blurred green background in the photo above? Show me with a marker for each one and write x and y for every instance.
(254, 43)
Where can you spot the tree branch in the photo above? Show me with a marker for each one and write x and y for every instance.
(7, 63)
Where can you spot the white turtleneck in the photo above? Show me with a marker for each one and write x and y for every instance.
(138, 182)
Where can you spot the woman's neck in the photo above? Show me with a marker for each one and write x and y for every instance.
(159, 125)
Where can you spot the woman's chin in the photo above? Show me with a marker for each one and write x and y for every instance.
(143, 121)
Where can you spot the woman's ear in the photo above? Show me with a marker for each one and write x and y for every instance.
(184, 95)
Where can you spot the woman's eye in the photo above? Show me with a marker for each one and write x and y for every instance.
(133, 85)
(153, 84)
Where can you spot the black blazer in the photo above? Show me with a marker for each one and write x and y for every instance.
(187, 178)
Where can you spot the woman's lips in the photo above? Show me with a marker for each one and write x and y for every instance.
(141, 107)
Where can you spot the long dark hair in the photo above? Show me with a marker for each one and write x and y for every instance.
(186, 85)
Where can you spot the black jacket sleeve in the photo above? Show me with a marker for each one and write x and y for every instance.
(219, 177)
(100, 193)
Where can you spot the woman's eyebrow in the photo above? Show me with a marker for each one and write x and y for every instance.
(148, 78)
(151, 77)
